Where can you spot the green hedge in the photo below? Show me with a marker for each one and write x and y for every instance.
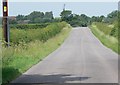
(29, 26)
(18, 35)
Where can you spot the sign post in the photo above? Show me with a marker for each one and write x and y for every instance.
(5, 22)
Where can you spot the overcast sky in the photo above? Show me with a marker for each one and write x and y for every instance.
(88, 8)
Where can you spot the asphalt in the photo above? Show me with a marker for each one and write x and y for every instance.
(82, 58)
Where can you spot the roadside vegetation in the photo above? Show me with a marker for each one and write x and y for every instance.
(107, 31)
(107, 36)
(27, 35)
(31, 46)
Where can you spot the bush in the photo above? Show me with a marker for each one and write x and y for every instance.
(19, 35)
(105, 28)
(29, 26)
(114, 31)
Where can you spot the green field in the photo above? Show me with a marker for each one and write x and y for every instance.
(20, 57)
(106, 35)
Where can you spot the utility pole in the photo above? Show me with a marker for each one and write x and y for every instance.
(5, 22)
(64, 7)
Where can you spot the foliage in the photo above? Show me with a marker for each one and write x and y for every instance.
(114, 31)
(17, 35)
(107, 40)
(97, 18)
(83, 20)
(105, 28)
(20, 17)
(36, 17)
(108, 29)
(74, 19)
(66, 15)
(111, 17)
(28, 26)
(48, 17)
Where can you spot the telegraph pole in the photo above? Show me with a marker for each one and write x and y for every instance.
(5, 22)
(64, 7)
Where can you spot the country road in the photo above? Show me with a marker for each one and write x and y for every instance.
(80, 59)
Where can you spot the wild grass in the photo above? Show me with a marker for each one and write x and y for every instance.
(18, 59)
(109, 41)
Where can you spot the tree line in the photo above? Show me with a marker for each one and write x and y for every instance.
(84, 20)
(33, 18)
(66, 15)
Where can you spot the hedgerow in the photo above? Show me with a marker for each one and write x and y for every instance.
(29, 26)
(26, 35)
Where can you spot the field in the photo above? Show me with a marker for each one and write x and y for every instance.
(23, 54)
(107, 34)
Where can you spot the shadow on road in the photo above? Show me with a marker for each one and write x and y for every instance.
(43, 79)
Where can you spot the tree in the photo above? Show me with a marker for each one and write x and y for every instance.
(20, 17)
(66, 15)
(111, 17)
(35, 17)
(48, 17)
(74, 19)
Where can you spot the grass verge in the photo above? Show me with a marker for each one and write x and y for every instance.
(17, 60)
(107, 40)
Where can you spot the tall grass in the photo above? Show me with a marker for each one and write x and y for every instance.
(18, 59)
(109, 41)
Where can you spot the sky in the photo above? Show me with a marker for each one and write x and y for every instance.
(88, 8)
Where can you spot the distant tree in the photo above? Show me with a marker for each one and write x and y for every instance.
(57, 19)
(111, 17)
(48, 17)
(35, 17)
(20, 17)
(101, 18)
(74, 19)
(66, 15)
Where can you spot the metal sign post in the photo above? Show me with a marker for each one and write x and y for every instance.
(5, 22)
